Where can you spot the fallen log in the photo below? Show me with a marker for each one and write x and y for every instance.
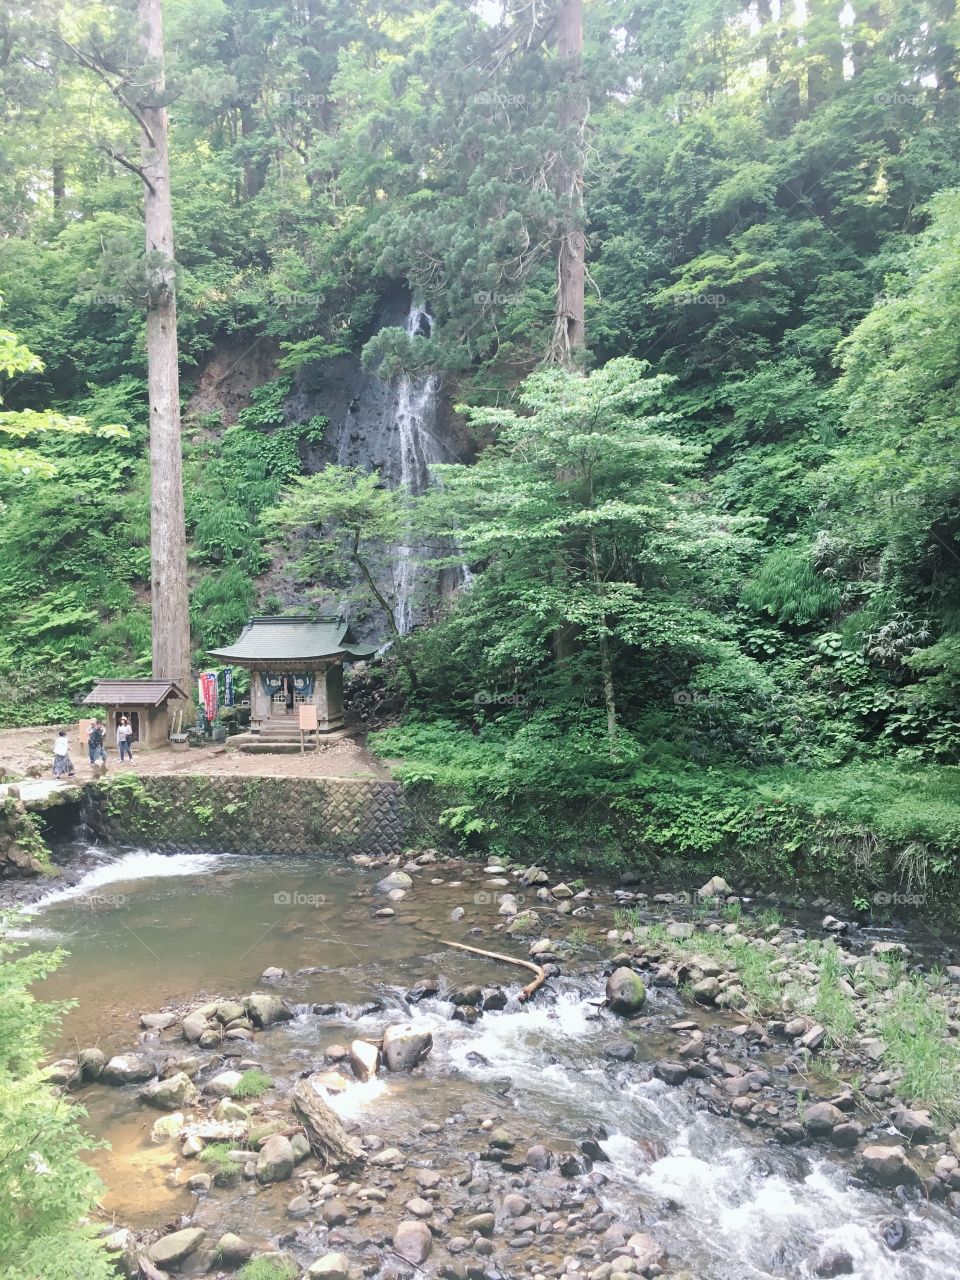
(328, 1139)
(526, 992)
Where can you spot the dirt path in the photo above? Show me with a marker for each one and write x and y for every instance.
(346, 757)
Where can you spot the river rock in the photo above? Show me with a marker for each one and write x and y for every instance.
(625, 991)
(157, 1021)
(63, 1071)
(193, 1026)
(671, 1072)
(562, 891)
(918, 1126)
(647, 1251)
(887, 1166)
(275, 1161)
(171, 1094)
(233, 1249)
(706, 990)
(128, 1068)
(265, 1009)
(364, 1059)
(715, 887)
(822, 1117)
(227, 1109)
(170, 1250)
(405, 1045)
(273, 973)
(539, 1158)
(223, 1084)
(526, 922)
(335, 1212)
(91, 1062)
(395, 880)
(482, 1223)
(167, 1127)
(123, 1245)
(895, 1232)
(833, 1260)
(680, 930)
(332, 1266)
(413, 1240)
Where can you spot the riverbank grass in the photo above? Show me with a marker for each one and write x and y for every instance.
(268, 1269)
(252, 1084)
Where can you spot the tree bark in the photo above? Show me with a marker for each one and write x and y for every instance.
(168, 539)
(569, 330)
(328, 1139)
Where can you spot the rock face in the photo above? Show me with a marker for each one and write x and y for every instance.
(128, 1068)
(276, 1160)
(405, 1045)
(171, 1094)
(413, 1241)
(170, 1250)
(625, 991)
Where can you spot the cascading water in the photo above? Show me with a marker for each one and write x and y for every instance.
(415, 418)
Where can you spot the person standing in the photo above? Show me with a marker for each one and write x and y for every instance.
(62, 764)
(95, 747)
(124, 739)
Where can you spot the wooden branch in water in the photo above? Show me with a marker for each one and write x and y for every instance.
(526, 992)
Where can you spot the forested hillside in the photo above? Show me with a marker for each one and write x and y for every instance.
(712, 584)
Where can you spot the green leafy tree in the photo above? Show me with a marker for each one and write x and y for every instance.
(45, 1186)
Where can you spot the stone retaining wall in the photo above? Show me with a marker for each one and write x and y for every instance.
(170, 812)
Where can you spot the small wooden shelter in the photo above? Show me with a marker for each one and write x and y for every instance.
(143, 702)
(294, 661)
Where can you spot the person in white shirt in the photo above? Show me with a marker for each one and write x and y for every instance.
(62, 764)
(124, 738)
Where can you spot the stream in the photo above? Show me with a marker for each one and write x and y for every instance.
(150, 931)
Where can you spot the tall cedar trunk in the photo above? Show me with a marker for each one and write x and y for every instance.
(168, 539)
(568, 335)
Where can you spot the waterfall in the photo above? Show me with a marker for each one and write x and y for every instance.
(414, 415)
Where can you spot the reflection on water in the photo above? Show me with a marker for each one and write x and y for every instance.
(145, 931)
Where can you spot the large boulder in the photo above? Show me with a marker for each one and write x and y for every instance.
(171, 1094)
(715, 887)
(266, 1009)
(625, 991)
(413, 1240)
(526, 922)
(194, 1025)
(233, 1248)
(405, 1044)
(171, 1250)
(127, 1068)
(223, 1084)
(276, 1160)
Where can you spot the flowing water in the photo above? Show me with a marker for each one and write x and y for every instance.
(146, 931)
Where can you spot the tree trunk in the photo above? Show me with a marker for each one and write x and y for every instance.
(328, 1139)
(568, 335)
(168, 538)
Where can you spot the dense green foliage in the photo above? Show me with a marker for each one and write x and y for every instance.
(44, 1185)
(726, 555)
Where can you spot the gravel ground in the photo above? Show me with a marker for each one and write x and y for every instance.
(345, 757)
